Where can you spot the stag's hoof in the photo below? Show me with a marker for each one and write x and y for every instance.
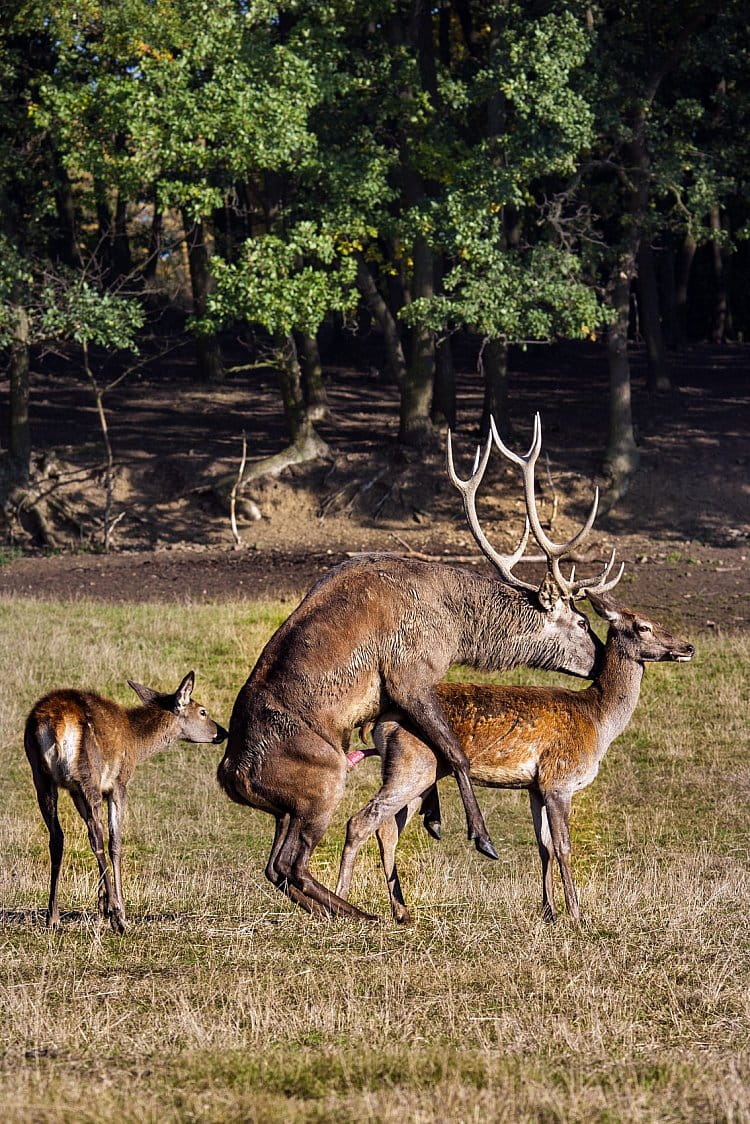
(483, 844)
(434, 828)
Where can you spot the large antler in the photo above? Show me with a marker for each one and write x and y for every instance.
(555, 552)
(468, 489)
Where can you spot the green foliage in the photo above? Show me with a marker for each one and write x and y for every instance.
(285, 284)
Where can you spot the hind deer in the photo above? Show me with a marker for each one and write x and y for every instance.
(90, 746)
(549, 740)
(378, 633)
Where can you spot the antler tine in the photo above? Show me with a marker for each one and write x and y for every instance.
(600, 584)
(554, 551)
(504, 563)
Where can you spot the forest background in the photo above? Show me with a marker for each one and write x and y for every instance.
(402, 184)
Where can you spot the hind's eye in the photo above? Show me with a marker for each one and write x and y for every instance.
(202, 712)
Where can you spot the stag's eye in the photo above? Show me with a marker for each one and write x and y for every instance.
(583, 623)
(643, 628)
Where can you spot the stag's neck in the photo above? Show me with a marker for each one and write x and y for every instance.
(616, 690)
(153, 730)
(498, 626)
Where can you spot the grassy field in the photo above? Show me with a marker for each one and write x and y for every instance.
(224, 1003)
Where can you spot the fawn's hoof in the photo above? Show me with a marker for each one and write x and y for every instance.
(434, 828)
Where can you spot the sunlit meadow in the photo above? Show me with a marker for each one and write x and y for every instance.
(223, 1002)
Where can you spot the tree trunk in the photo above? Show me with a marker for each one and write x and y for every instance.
(207, 352)
(65, 244)
(493, 366)
(298, 421)
(683, 268)
(154, 247)
(384, 318)
(19, 432)
(721, 300)
(415, 426)
(621, 456)
(122, 259)
(313, 387)
(659, 380)
(444, 395)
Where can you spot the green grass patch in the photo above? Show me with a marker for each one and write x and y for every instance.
(225, 1003)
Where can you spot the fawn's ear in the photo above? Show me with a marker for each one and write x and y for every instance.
(184, 691)
(604, 608)
(147, 695)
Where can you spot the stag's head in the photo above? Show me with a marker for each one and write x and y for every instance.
(569, 642)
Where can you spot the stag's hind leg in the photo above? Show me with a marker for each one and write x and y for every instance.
(303, 780)
(279, 881)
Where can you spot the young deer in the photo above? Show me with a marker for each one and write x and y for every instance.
(91, 746)
(550, 740)
(379, 633)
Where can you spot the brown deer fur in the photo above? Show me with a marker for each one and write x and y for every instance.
(379, 633)
(375, 634)
(549, 740)
(90, 746)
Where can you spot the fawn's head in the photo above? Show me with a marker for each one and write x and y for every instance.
(641, 638)
(193, 721)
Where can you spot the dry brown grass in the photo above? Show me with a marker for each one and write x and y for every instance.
(223, 1003)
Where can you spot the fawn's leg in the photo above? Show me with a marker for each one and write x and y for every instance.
(89, 807)
(46, 794)
(116, 806)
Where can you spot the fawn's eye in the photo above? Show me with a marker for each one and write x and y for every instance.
(202, 712)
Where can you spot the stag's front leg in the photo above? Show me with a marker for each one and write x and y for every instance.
(424, 710)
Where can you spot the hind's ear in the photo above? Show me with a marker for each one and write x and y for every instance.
(147, 695)
(184, 691)
(604, 608)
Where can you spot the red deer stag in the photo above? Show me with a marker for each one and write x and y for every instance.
(91, 746)
(378, 633)
(549, 740)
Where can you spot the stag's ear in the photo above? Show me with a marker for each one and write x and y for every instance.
(604, 608)
(184, 691)
(147, 695)
(549, 594)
